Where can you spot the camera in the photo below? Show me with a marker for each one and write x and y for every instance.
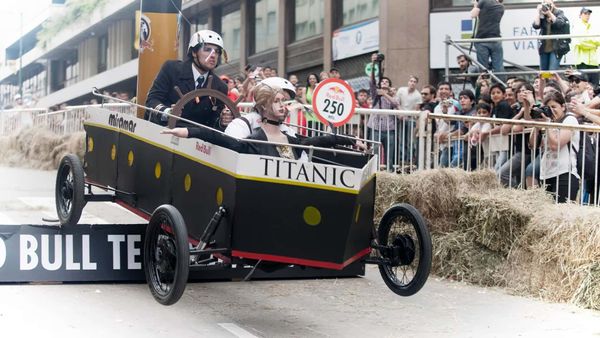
(537, 111)
(545, 7)
(447, 102)
(516, 108)
(380, 57)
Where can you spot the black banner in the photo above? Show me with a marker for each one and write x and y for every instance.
(83, 253)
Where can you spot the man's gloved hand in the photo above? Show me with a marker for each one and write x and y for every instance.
(164, 117)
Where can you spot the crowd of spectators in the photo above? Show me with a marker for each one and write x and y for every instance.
(520, 156)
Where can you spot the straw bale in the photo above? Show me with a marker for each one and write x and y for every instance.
(492, 236)
(457, 256)
(435, 193)
(39, 148)
(558, 255)
(497, 218)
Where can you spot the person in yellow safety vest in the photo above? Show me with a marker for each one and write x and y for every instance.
(586, 49)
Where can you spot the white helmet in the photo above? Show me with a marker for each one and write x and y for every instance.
(282, 83)
(205, 36)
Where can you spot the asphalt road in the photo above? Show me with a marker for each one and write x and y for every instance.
(351, 307)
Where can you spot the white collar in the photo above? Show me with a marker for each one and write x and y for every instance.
(197, 74)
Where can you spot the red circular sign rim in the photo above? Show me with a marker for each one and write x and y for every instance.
(316, 93)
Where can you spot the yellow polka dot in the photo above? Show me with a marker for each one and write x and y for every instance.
(90, 144)
(312, 216)
(157, 170)
(357, 214)
(219, 196)
(130, 158)
(187, 182)
(113, 152)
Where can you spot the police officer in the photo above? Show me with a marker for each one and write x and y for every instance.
(204, 54)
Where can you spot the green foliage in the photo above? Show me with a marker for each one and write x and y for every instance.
(76, 10)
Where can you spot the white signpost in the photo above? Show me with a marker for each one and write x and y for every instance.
(334, 102)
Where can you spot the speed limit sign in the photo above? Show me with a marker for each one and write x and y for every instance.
(333, 102)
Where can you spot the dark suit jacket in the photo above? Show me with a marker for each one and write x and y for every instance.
(162, 94)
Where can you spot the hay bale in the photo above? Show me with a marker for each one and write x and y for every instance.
(497, 218)
(485, 234)
(435, 193)
(557, 256)
(588, 293)
(39, 148)
(457, 256)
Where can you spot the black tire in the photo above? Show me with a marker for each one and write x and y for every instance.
(166, 255)
(69, 190)
(403, 230)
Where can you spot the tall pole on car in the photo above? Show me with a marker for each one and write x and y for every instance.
(158, 41)
(21, 55)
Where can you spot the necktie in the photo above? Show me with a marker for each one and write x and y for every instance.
(199, 82)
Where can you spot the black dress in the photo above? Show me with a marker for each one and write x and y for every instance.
(326, 141)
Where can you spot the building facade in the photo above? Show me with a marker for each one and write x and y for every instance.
(292, 36)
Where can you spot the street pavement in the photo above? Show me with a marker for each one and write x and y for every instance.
(346, 307)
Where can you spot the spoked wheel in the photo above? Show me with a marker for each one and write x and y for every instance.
(166, 255)
(406, 249)
(69, 190)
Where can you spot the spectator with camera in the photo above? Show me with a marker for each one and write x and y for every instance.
(489, 54)
(578, 83)
(382, 128)
(512, 172)
(447, 105)
(558, 158)
(551, 21)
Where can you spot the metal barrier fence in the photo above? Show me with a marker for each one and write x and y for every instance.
(15, 119)
(61, 122)
(400, 133)
(407, 143)
(521, 160)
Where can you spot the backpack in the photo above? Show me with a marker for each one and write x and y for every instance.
(563, 45)
(587, 160)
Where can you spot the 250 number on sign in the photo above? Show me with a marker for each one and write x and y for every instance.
(333, 107)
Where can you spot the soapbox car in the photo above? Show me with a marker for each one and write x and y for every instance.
(209, 206)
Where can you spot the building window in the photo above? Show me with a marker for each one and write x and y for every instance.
(102, 52)
(230, 32)
(199, 23)
(469, 3)
(71, 73)
(359, 10)
(308, 18)
(265, 23)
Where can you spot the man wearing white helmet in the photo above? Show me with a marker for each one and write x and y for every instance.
(246, 125)
(203, 55)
